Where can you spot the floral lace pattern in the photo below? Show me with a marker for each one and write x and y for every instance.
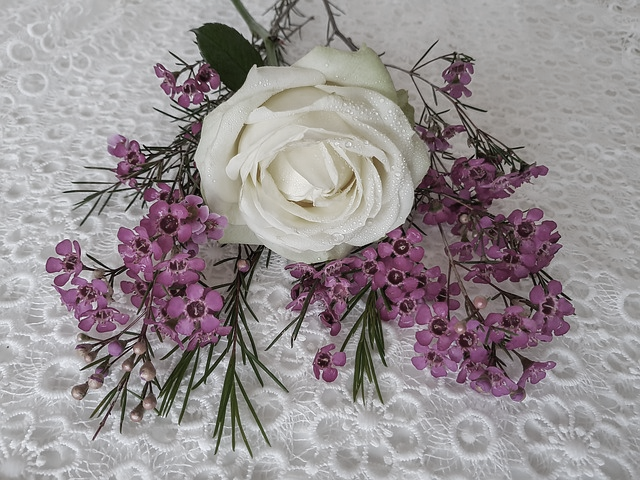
(558, 77)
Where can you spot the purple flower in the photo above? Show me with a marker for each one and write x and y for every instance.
(434, 181)
(104, 317)
(165, 219)
(325, 363)
(207, 78)
(70, 264)
(534, 372)
(435, 139)
(472, 172)
(181, 269)
(213, 228)
(367, 268)
(189, 93)
(402, 244)
(439, 326)
(513, 324)
(85, 296)
(408, 307)
(480, 273)
(137, 250)
(201, 338)
(197, 214)
(551, 308)
(438, 361)
(457, 76)
(197, 310)
(493, 380)
(164, 193)
(439, 210)
(505, 185)
(117, 145)
(163, 323)
(469, 344)
(168, 79)
(203, 224)
(138, 289)
(512, 266)
(133, 158)
(463, 250)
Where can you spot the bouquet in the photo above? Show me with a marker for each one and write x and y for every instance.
(387, 211)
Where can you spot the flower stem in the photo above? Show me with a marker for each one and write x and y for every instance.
(259, 31)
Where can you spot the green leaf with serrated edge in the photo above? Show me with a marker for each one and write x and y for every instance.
(228, 53)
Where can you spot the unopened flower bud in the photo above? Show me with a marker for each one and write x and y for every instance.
(243, 265)
(95, 381)
(98, 273)
(90, 356)
(80, 391)
(128, 364)
(147, 371)
(480, 302)
(139, 348)
(150, 402)
(115, 348)
(518, 395)
(137, 413)
(460, 327)
(83, 337)
(83, 348)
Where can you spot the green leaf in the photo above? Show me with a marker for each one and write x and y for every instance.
(228, 53)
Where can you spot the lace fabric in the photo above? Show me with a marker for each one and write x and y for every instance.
(561, 78)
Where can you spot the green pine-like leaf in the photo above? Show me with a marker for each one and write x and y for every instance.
(228, 53)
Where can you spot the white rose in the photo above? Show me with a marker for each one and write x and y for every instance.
(313, 159)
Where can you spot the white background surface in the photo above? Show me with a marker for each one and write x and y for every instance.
(561, 78)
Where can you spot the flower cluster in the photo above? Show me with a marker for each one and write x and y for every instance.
(393, 269)
(166, 277)
(442, 274)
(163, 275)
(132, 158)
(193, 90)
(163, 269)
(457, 76)
(481, 248)
(88, 300)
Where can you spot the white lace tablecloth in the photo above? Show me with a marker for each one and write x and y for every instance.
(560, 77)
